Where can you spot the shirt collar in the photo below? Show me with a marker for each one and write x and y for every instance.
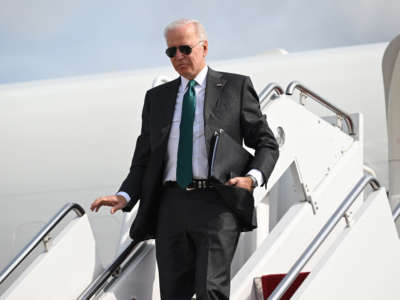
(200, 78)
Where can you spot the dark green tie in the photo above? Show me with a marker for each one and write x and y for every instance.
(184, 174)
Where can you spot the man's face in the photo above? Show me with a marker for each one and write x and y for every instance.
(187, 65)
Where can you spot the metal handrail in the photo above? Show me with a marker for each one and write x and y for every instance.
(296, 85)
(369, 170)
(322, 235)
(39, 237)
(95, 285)
(270, 88)
(396, 213)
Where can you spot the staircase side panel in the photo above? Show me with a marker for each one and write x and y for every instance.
(63, 272)
(364, 261)
(293, 233)
(140, 280)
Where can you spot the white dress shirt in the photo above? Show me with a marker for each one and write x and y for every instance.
(199, 156)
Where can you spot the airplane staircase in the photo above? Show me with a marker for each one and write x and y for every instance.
(66, 265)
(358, 256)
(319, 176)
(300, 223)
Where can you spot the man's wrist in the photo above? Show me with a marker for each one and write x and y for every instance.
(125, 195)
(254, 183)
(257, 175)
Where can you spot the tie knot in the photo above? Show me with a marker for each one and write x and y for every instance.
(192, 83)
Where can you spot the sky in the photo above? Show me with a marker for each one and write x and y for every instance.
(46, 39)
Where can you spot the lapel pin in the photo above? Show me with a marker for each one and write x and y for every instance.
(219, 84)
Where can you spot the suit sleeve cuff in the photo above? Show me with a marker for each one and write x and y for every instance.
(257, 175)
(125, 195)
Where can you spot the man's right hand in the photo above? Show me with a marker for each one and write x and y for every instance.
(115, 201)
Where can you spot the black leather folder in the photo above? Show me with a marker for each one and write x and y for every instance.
(227, 158)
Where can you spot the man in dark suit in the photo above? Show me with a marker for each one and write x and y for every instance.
(196, 223)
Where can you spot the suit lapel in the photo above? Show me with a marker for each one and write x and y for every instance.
(214, 87)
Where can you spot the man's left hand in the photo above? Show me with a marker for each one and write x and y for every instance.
(242, 182)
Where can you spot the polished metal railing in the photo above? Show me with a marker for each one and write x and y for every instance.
(270, 88)
(40, 237)
(369, 170)
(322, 235)
(268, 92)
(113, 270)
(396, 213)
(305, 91)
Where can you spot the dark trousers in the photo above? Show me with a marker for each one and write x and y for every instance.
(196, 238)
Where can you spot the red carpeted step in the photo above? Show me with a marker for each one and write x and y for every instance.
(266, 285)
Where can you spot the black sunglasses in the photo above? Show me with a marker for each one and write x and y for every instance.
(184, 49)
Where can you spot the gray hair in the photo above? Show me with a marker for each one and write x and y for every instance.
(201, 32)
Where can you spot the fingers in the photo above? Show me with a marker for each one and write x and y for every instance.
(106, 200)
(116, 207)
(95, 205)
(241, 182)
(232, 181)
(119, 205)
(115, 201)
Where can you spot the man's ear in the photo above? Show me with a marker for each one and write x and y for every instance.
(205, 48)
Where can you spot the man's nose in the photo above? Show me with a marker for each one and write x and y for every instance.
(179, 54)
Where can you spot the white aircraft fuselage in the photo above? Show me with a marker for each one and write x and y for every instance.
(71, 140)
